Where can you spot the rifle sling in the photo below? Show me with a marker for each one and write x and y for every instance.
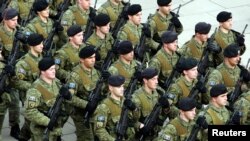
(215, 118)
(33, 65)
(184, 88)
(47, 95)
(179, 128)
(72, 56)
(219, 40)
(194, 50)
(228, 81)
(131, 37)
(79, 18)
(40, 30)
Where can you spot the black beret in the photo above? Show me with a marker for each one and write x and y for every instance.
(116, 80)
(202, 28)
(224, 16)
(186, 104)
(9, 13)
(46, 63)
(163, 2)
(35, 39)
(73, 30)
(231, 50)
(125, 47)
(217, 90)
(149, 73)
(134, 9)
(101, 19)
(87, 51)
(40, 5)
(169, 37)
(188, 63)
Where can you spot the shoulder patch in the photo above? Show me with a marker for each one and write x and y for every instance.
(211, 83)
(32, 98)
(166, 137)
(101, 118)
(22, 71)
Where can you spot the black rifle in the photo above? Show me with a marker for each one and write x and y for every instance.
(48, 43)
(237, 34)
(11, 61)
(90, 24)
(121, 20)
(196, 128)
(95, 95)
(4, 5)
(122, 125)
(55, 110)
(235, 93)
(236, 112)
(171, 26)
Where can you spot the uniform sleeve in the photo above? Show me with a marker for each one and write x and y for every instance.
(67, 20)
(13, 4)
(243, 105)
(137, 112)
(155, 64)
(176, 91)
(21, 75)
(122, 36)
(30, 28)
(168, 133)
(61, 72)
(214, 78)
(33, 100)
(100, 123)
(113, 70)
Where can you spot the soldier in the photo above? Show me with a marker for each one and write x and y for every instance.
(108, 112)
(180, 127)
(7, 31)
(225, 36)
(125, 65)
(166, 58)
(68, 54)
(101, 38)
(40, 97)
(78, 14)
(164, 20)
(27, 72)
(84, 78)
(195, 47)
(113, 9)
(228, 72)
(145, 99)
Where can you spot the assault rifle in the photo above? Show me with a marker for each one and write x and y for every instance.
(235, 93)
(122, 125)
(11, 61)
(236, 115)
(4, 5)
(90, 24)
(55, 110)
(48, 43)
(95, 95)
(121, 20)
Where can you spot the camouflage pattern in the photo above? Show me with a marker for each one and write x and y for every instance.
(6, 40)
(85, 82)
(22, 6)
(169, 132)
(243, 103)
(127, 71)
(40, 98)
(162, 61)
(112, 10)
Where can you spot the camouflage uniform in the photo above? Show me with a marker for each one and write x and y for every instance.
(103, 45)
(26, 73)
(164, 63)
(145, 103)
(243, 103)
(84, 82)
(223, 40)
(112, 10)
(224, 75)
(40, 97)
(127, 71)
(159, 25)
(176, 130)
(68, 56)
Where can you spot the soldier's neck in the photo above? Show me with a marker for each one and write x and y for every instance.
(8, 29)
(44, 19)
(162, 14)
(74, 45)
(100, 34)
(228, 64)
(47, 80)
(125, 61)
(223, 30)
(147, 89)
(33, 52)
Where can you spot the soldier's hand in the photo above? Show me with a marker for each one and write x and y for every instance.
(10, 69)
(64, 92)
(105, 74)
(129, 104)
(201, 87)
(146, 31)
(175, 21)
(163, 101)
(21, 36)
(236, 118)
(240, 40)
(212, 47)
(201, 121)
(58, 26)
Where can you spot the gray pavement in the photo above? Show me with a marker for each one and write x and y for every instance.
(190, 14)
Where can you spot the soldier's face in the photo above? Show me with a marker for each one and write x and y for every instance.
(38, 48)
(191, 74)
(221, 100)
(129, 56)
(77, 39)
(202, 37)
(173, 46)
(152, 83)
(104, 29)
(50, 73)
(12, 23)
(136, 19)
(44, 13)
(165, 9)
(89, 62)
(84, 4)
(227, 24)
(234, 60)
(117, 91)
(190, 115)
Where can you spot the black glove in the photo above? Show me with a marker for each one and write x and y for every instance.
(129, 104)
(201, 121)
(64, 92)
(55, 17)
(21, 36)
(201, 87)
(175, 20)
(137, 74)
(163, 101)
(146, 31)
(105, 75)
(240, 40)
(92, 13)
(58, 26)
(244, 73)
(10, 69)
(236, 118)
(212, 47)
